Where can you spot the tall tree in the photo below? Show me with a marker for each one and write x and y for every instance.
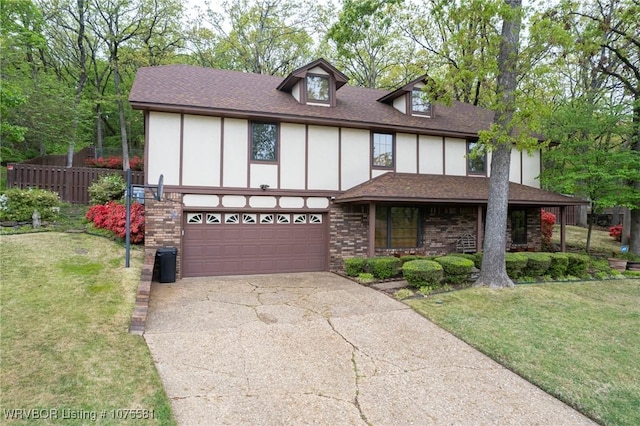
(261, 36)
(618, 19)
(369, 43)
(493, 272)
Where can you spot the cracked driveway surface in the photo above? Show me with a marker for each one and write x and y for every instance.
(315, 348)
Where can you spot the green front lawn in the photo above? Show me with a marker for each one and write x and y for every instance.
(66, 302)
(580, 341)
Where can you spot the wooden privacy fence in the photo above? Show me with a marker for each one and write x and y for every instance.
(71, 183)
(569, 211)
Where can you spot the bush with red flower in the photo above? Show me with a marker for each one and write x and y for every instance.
(115, 162)
(615, 232)
(548, 221)
(112, 216)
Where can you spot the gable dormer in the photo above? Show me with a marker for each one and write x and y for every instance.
(411, 99)
(314, 84)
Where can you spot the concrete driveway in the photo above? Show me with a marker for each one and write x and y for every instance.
(319, 349)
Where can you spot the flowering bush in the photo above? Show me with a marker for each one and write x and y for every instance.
(548, 220)
(615, 232)
(115, 162)
(19, 204)
(112, 216)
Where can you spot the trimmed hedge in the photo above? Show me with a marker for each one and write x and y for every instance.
(384, 267)
(456, 268)
(107, 188)
(354, 266)
(410, 257)
(422, 272)
(478, 259)
(578, 265)
(515, 262)
(559, 265)
(537, 264)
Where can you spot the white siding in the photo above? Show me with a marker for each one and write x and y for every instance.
(400, 104)
(431, 155)
(406, 151)
(318, 70)
(201, 151)
(264, 174)
(531, 169)
(164, 148)
(516, 166)
(356, 157)
(323, 158)
(201, 200)
(236, 155)
(455, 157)
(292, 156)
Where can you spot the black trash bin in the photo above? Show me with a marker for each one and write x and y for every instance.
(166, 261)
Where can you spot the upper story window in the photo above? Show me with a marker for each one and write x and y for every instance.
(476, 159)
(382, 150)
(264, 141)
(318, 89)
(420, 103)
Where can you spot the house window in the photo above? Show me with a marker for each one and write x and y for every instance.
(519, 226)
(397, 227)
(476, 159)
(419, 102)
(318, 88)
(264, 141)
(382, 152)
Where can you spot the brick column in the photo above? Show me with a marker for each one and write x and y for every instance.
(163, 224)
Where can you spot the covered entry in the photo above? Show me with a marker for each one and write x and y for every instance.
(253, 243)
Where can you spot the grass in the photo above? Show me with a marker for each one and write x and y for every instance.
(66, 302)
(577, 341)
(576, 238)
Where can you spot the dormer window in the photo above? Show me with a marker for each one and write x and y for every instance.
(420, 104)
(318, 89)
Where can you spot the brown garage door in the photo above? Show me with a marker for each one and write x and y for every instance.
(253, 243)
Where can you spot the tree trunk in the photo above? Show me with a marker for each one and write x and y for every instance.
(634, 228)
(82, 79)
(581, 216)
(494, 272)
(123, 127)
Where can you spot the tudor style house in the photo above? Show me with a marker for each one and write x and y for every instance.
(267, 174)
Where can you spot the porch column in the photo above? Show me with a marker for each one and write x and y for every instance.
(479, 230)
(372, 229)
(563, 223)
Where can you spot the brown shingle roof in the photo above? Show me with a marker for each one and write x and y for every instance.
(186, 88)
(406, 187)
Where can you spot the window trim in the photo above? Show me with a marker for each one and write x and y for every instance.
(468, 161)
(393, 150)
(410, 104)
(308, 100)
(277, 142)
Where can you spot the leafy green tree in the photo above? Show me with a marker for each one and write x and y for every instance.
(500, 140)
(590, 158)
(369, 45)
(262, 36)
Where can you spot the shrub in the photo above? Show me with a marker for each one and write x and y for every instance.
(422, 272)
(354, 266)
(615, 232)
(384, 267)
(559, 265)
(578, 265)
(112, 216)
(114, 162)
(537, 264)
(19, 204)
(365, 277)
(478, 259)
(515, 263)
(410, 257)
(547, 222)
(456, 268)
(107, 188)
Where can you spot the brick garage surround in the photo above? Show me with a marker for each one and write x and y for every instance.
(348, 233)
(163, 224)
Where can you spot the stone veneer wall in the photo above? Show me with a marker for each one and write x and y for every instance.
(443, 226)
(348, 233)
(163, 224)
